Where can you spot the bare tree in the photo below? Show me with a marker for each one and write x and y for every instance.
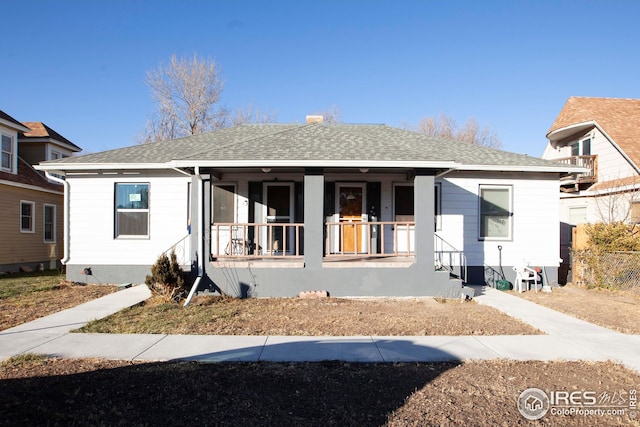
(331, 115)
(617, 200)
(187, 92)
(471, 132)
(251, 114)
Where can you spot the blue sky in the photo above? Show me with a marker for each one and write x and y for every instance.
(79, 65)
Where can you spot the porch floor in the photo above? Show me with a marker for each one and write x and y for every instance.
(329, 261)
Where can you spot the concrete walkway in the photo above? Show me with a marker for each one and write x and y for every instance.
(566, 338)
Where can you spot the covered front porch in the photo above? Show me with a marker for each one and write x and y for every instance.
(339, 231)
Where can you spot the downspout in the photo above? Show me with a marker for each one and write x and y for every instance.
(65, 185)
(200, 253)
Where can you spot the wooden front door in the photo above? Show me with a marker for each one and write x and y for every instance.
(351, 202)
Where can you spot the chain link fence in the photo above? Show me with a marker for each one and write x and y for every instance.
(612, 270)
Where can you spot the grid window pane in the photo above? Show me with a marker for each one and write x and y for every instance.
(26, 217)
(7, 152)
(132, 209)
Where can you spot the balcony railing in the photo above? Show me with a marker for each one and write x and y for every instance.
(590, 162)
(252, 240)
(370, 239)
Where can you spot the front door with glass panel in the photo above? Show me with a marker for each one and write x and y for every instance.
(225, 239)
(350, 205)
(278, 205)
(403, 211)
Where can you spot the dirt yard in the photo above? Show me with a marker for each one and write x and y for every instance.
(97, 392)
(617, 310)
(314, 317)
(40, 391)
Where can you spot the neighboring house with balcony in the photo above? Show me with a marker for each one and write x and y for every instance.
(276, 209)
(31, 228)
(601, 135)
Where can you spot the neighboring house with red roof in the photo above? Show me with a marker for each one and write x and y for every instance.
(31, 219)
(603, 136)
(276, 209)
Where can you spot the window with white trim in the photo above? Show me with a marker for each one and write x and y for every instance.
(27, 216)
(131, 210)
(496, 212)
(49, 219)
(8, 150)
(581, 148)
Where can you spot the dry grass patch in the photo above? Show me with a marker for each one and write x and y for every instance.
(617, 310)
(313, 317)
(25, 297)
(38, 391)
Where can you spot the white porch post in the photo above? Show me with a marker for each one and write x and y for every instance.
(424, 217)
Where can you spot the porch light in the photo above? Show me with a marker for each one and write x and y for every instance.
(364, 170)
(266, 170)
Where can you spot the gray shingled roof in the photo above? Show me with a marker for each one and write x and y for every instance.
(309, 142)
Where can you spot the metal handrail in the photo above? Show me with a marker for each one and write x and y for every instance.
(447, 257)
(182, 248)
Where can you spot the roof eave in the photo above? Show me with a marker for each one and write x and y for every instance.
(516, 168)
(14, 125)
(565, 131)
(62, 166)
(425, 164)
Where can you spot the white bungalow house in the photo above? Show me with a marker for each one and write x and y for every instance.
(603, 136)
(276, 209)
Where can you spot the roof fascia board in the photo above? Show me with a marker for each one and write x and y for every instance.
(506, 168)
(12, 125)
(575, 126)
(319, 163)
(61, 166)
(29, 187)
(49, 140)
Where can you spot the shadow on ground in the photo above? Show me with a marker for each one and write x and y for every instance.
(196, 393)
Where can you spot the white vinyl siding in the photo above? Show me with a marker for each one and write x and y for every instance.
(93, 219)
(535, 233)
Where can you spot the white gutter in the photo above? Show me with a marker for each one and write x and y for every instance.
(425, 164)
(201, 243)
(65, 184)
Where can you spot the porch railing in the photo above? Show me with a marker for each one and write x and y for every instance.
(370, 239)
(590, 162)
(256, 240)
(449, 258)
